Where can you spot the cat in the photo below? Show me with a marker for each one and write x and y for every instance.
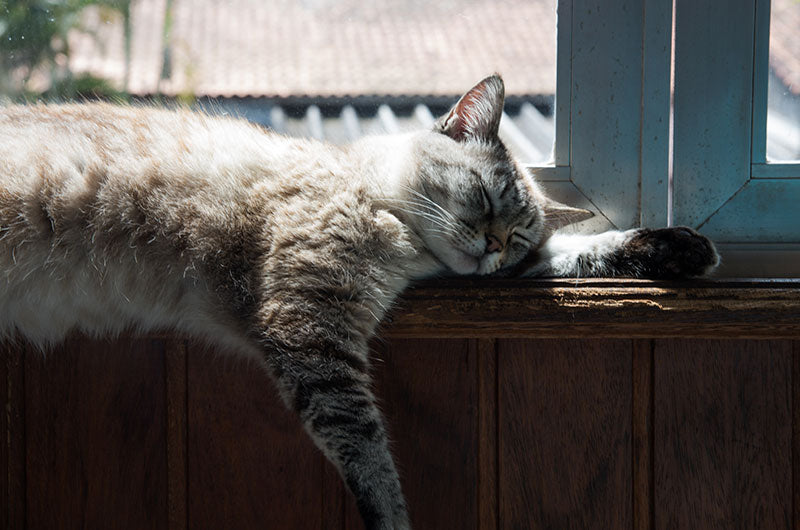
(287, 250)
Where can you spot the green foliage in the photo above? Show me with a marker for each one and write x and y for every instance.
(33, 39)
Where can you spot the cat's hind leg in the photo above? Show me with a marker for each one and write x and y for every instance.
(329, 388)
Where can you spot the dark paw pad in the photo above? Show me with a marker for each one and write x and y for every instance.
(678, 252)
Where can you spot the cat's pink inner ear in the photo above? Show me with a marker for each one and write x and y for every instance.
(477, 114)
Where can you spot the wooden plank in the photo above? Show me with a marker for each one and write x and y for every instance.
(334, 494)
(249, 461)
(487, 435)
(722, 431)
(565, 451)
(12, 455)
(95, 436)
(429, 393)
(713, 106)
(5, 408)
(643, 509)
(176, 395)
(796, 435)
(595, 308)
(598, 308)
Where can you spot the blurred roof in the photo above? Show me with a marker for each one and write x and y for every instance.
(284, 48)
(325, 47)
(784, 42)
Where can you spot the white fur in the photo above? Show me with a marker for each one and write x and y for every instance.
(564, 255)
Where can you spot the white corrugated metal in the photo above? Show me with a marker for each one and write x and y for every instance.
(527, 132)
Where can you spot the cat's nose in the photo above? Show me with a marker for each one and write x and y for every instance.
(493, 244)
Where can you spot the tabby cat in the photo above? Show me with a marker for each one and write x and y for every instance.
(115, 218)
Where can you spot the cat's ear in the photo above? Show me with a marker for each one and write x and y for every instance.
(477, 114)
(557, 215)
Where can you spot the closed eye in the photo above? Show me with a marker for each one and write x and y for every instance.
(487, 202)
(520, 238)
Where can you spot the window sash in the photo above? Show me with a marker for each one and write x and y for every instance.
(613, 125)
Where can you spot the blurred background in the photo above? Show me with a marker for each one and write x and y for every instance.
(330, 69)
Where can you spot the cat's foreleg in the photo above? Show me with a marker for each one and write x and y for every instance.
(329, 388)
(639, 253)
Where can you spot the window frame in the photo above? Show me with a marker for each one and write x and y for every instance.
(613, 126)
(611, 152)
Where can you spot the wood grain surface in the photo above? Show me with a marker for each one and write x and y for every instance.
(493, 424)
(5, 406)
(250, 464)
(643, 381)
(95, 436)
(487, 435)
(565, 434)
(436, 448)
(13, 462)
(176, 367)
(723, 434)
(598, 308)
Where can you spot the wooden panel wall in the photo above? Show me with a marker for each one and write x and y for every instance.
(564, 412)
(488, 434)
(723, 434)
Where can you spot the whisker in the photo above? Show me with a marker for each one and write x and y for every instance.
(427, 207)
(430, 201)
(432, 216)
(438, 221)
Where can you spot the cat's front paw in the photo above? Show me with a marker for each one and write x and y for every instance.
(667, 253)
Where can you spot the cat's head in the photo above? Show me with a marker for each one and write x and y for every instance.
(477, 209)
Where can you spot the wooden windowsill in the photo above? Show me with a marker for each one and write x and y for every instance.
(594, 308)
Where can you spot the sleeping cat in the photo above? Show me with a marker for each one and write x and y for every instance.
(287, 250)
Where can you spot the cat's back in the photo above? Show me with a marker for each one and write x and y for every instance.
(116, 214)
(105, 210)
(117, 135)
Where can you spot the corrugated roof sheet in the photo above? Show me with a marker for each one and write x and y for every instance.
(526, 131)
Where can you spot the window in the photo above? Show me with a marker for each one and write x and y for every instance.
(613, 130)
(724, 182)
(612, 112)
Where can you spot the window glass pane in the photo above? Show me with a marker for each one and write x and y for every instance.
(328, 68)
(783, 113)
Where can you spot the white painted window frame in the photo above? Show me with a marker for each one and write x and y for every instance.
(612, 138)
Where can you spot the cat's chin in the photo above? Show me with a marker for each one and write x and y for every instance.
(461, 263)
